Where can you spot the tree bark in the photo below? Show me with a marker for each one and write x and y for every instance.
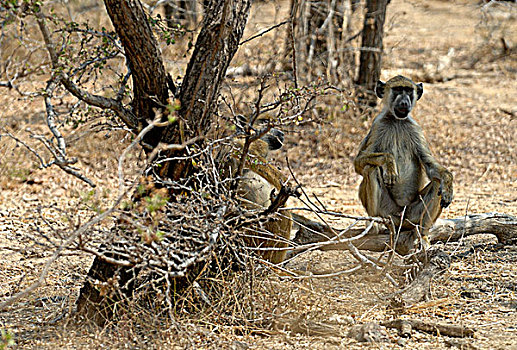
(150, 91)
(145, 61)
(371, 46)
(221, 32)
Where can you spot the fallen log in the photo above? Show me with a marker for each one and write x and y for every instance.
(503, 226)
(450, 330)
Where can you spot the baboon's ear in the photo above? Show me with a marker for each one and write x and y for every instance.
(379, 88)
(419, 90)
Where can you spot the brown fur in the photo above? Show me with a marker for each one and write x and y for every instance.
(259, 179)
(396, 163)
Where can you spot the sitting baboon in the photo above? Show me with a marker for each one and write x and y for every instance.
(257, 185)
(394, 160)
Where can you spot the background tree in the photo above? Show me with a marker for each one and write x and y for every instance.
(323, 38)
(371, 47)
(326, 33)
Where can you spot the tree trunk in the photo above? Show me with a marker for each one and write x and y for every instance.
(215, 47)
(145, 61)
(371, 46)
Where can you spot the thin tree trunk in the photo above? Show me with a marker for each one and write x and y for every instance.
(371, 46)
(321, 35)
(145, 61)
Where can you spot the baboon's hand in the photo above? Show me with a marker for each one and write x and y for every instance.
(390, 173)
(446, 189)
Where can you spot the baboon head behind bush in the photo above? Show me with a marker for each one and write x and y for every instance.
(258, 183)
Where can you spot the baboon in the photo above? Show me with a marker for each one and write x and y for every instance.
(395, 161)
(257, 184)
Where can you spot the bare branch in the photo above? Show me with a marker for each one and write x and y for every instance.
(264, 31)
(95, 100)
(43, 164)
(65, 245)
(51, 118)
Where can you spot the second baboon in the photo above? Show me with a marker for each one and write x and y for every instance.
(395, 162)
(257, 184)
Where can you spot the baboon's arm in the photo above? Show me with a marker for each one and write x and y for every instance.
(367, 156)
(435, 170)
(375, 159)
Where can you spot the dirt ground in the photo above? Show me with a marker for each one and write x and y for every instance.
(469, 115)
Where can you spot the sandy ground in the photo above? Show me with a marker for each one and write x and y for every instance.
(468, 113)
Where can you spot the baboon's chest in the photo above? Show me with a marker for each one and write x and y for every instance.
(402, 145)
(400, 142)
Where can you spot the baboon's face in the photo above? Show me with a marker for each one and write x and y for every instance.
(402, 100)
(274, 139)
(400, 95)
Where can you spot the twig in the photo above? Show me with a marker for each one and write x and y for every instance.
(341, 215)
(94, 100)
(279, 200)
(365, 260)
(265, 31)
(43, 164)
(122, 157)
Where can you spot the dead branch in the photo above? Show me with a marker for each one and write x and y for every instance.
(279, 200)
(267, 30)
(436, 261)
(302, 325)
(503, 226)
(451, 330)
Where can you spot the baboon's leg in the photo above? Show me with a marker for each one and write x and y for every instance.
(375, 196)
(426, 208)
(280, 229)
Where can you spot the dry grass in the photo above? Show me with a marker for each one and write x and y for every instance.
(466, 113)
